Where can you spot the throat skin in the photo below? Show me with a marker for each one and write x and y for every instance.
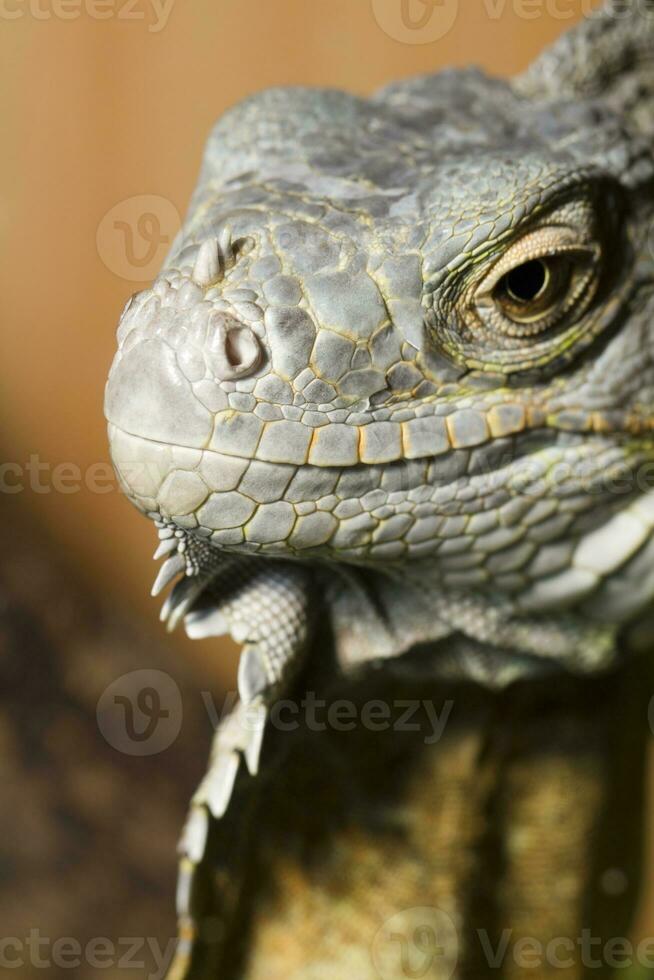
(511, 829)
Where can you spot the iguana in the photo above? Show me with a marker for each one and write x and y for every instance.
(389, 402)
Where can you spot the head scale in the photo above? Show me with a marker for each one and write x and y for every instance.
(413, 334)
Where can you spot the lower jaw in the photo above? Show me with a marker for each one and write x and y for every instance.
(356, 514)
(278, 510)
(176, 480)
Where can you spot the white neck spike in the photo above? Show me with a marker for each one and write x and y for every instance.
(207, 264)
(225, 244)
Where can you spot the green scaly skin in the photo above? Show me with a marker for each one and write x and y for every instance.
(345, 397)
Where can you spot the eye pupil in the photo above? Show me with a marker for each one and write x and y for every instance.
(525, 283)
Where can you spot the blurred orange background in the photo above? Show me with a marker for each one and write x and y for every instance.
(103, 101)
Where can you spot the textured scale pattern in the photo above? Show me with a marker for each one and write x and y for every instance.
(336, 408)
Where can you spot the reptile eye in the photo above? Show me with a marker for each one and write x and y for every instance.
(530, 290)
(541, 282)
(528, 298)
(527, 281)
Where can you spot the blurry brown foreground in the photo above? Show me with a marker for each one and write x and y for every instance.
(87, 831)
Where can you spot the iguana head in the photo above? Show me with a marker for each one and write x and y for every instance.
(414, 332)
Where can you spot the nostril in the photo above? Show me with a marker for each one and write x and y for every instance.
(242, 348)
(234, 350)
